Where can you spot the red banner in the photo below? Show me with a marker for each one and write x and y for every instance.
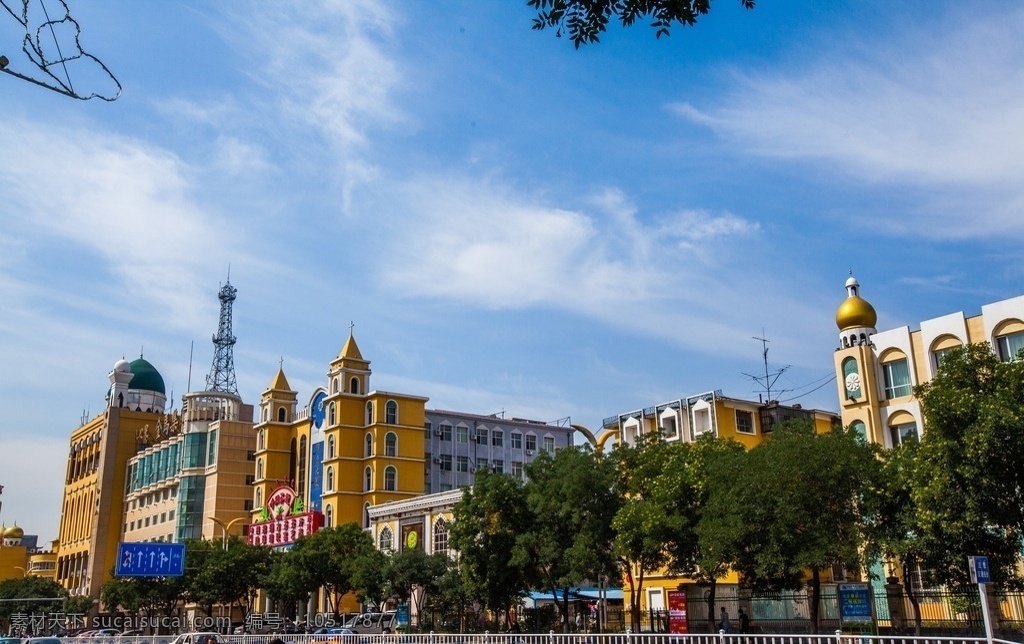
(677, 612)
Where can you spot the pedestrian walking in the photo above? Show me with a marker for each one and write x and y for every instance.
(744, 620)
(723, 620)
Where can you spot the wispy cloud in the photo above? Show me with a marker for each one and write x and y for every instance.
(934, 109)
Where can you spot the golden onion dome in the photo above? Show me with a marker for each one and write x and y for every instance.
(855, 311)
(14, 532)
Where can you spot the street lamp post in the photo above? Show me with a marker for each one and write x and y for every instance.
(225, 528)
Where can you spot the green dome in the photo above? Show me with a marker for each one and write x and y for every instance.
(146, 377)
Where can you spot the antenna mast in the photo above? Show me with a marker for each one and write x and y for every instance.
(222, 373)
(769, 378)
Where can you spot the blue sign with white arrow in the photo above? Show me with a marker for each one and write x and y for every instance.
(150, 560)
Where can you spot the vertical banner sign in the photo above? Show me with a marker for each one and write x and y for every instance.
(855, 604)
(677, 612)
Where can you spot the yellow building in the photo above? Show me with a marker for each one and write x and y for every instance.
(93, 502)
(877, 371)
(352, 447)
(13, 553)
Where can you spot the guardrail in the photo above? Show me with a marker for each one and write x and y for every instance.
(553, 638)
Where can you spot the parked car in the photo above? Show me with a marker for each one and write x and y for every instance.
(42, 640)
(198, 638)
(372, 623)
(11, 640)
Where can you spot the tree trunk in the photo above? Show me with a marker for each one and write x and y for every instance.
(908, 587)
(712, 615)
(815, 599)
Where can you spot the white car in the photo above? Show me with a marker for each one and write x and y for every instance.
(198, 638)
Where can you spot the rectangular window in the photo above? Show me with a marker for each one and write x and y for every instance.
(462, 463)
(482, 464)
(517, 440)
(531, 442)
(744, 421)
(445, 462)
(549, 444)
(147, 522)
(461, 434)
(499, 466)
(481, 436)
(668, 426)
(428, 426)
(1010, 345)
(250, 479)
(247, 506)
(517, 469)
(446, 432)
(903, 433)
(897, 378)
(163, 517)
(497, 438)
(170, 515)
(250, 456)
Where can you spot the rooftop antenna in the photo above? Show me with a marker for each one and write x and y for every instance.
(222, 373)
(770, 377)
(188, 385)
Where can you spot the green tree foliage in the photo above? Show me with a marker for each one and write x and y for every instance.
(331, 559)
(796, 503)
(29, 587)
(644, 525)
(585, 20)
(712, 547)
(487, 524)
(969, 487)
(230, 576)
(895, 534)
(412, 574)
(572, 500)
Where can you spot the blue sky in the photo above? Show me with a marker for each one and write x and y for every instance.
(512, 224)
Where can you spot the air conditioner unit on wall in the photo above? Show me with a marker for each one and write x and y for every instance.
(437, 460)
(529, 452)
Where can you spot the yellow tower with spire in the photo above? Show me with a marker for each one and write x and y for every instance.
(855, 364)
(374, 442)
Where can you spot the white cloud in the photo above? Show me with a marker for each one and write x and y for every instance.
(938, 109)
(123, 202)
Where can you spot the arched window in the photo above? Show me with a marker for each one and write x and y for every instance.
(332, 415)
(390, 478)
(385, 539)
(302, 466)
(328, 516)
(441, 536)
(902, 428)
(367, 479)
(391, 413)
(369, 445)
(330, 447)
(261, 444)
(369, 413)
(851, 379)
(266, 413)
(1009, 340)
(259, 469)
(334, 385)
(366, 515)
(330, 479)
(259, 498)
(862, 430)
(353, 385)
(282, 415)
(391, 444)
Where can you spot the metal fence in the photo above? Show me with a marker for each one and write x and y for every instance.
(554, 638)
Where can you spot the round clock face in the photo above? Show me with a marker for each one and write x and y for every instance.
(853, 383)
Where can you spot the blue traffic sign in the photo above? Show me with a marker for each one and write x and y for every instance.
(979, 570)
(150, 560)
